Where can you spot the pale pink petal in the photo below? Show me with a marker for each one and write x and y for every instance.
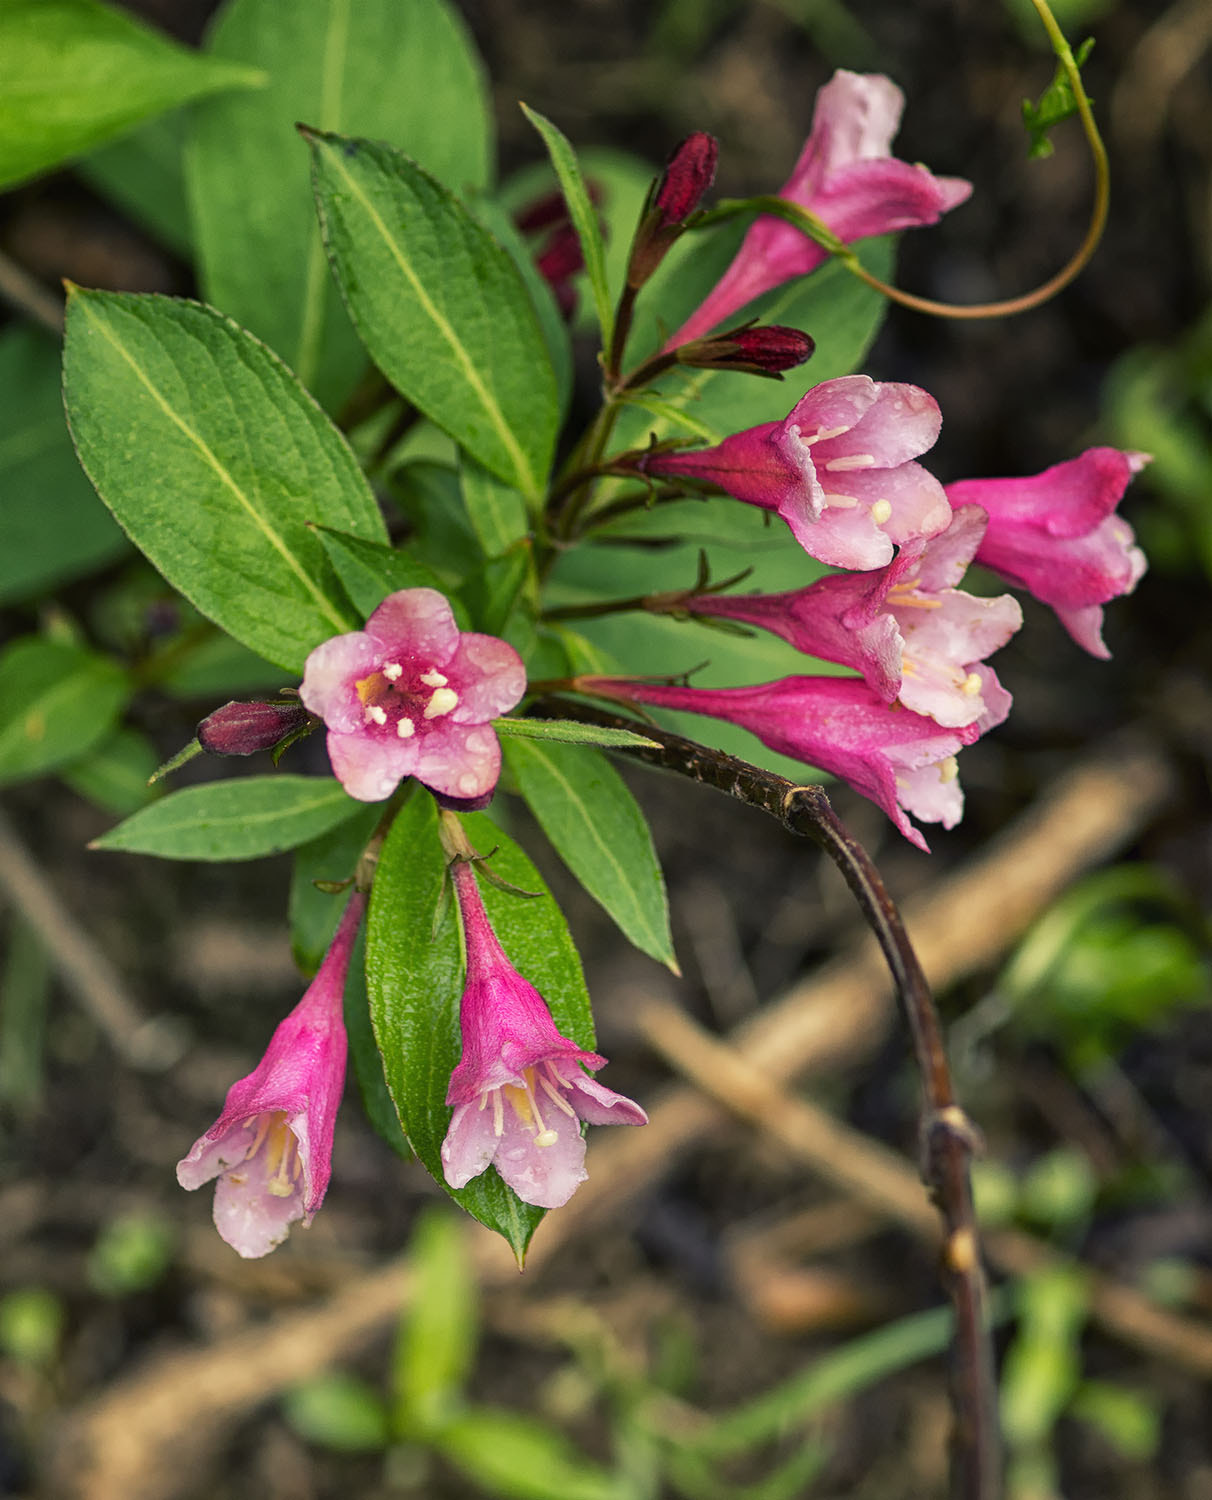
(464, 760)
(901, 423)
(856, 118)
(545, 1176)
(598, 1105)
(844, 538)
(248, 1216)
(833, 406)
(370, 767)
(880, 197)
(417, 623)
(942, 562)
(470, 1143)
(1086, 627)
(489, 677)
(932, 793)
(330, 677)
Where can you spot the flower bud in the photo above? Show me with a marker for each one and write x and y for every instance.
(690, 172)
(245, 728)
(758, 351)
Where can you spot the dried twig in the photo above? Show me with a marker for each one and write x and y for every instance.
(877, 1177)
(947, 1138)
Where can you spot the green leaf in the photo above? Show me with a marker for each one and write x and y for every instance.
(240, 819)
(338, 1411)
(144, 173)
(52, 526)
(1055, 105)
(214, 459)
(366, 1059)
(439, 305)
(414, 972)
(437, 1343)
(431, 497)
(569, 732)
(556, 335)
(497, 511)
(516, 1457)
(74, 73)
(115, 773)
(583, 215)
(56, 702)
(369, 571)
(406, 73)
(586, 810)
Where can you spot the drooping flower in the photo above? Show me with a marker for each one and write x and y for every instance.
(912, 634)
(905, 762)
(520, 1090)
(838, 469)
(411, 696)
(848, 178)
(271, 1148)
(1057, 535)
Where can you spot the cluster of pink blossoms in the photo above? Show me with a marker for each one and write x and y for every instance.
(412, 696)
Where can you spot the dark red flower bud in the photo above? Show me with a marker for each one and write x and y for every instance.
(690, 172)
(245, 728)
(758, 351)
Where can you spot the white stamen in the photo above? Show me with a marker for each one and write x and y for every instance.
(557, 1098)
(405, 728)
(442, 700)
(948, 769)
(851, 461)
(393, 671)
(376, 714)
(498, 1113)
(434, 678)
(881, 511)
(824, 435)
(840, 502)
(971, 685)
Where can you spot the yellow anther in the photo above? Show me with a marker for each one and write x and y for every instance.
(441, 701)
(881, 511)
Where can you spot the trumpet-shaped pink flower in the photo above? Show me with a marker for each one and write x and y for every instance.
(271, 1148)
(520, 1090)
(848, 178)
(912, 634)
(1057, 535)
(904, 762)
(838, 469)
(411, 696)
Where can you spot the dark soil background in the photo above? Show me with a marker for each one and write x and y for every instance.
(753, 911)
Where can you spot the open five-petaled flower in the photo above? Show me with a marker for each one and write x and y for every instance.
(412, 696)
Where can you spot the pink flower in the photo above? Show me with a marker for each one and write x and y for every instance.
(1056, 534)
(271, 1148)
(410, 696)
(903, 761)
(837, 469)
(847, 177)
(906, 628)
(520, 1090)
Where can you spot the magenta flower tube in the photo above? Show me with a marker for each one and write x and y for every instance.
(520, 1090)
(271, 1148)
